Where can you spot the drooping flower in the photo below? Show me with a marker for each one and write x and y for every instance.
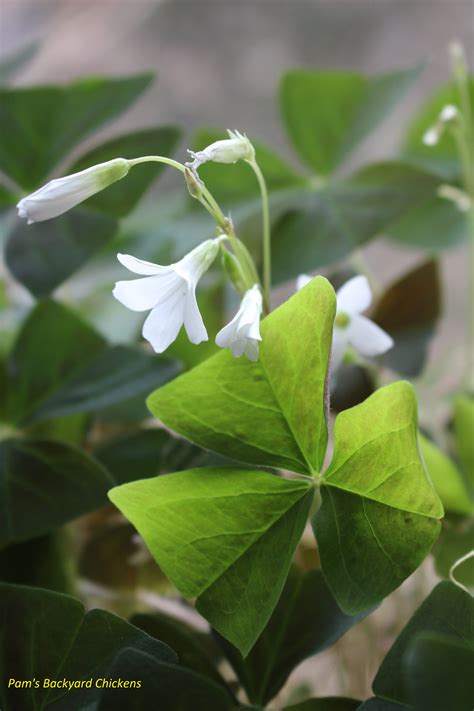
(62, 194)
(169, 293)
(229, 150)
(350, 327)
(242, 334)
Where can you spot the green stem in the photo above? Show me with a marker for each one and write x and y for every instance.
(267, 247)
(157, 159)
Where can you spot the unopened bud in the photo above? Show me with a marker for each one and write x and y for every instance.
(193, 183)
(62, 194)
(234, 271)
(230, 150)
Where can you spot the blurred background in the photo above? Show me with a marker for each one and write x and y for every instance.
(218, 65)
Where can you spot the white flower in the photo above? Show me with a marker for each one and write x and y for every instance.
(60, 195)
(242, 334)
(350, 327)
(170, 294)
(230, 150)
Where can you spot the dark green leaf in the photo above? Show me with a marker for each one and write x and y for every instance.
(448, 610)
(45, 484)
(375, 704)
(352, 386)
(306, 621)
(43, 255)
(115, 374)
(328, 113)
(325, 224)
(378, 517)
(271, 412)
(44, 123)
(8, 198)
(225, 536)
(147, 453)
(409, 310)
(43, 562)
(434, 224)
(196, 650)
(52, 638)
(119, 199)
(438, 673)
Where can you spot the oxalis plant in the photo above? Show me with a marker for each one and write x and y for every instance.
(225, 534)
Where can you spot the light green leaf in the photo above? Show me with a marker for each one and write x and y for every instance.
(328, 113)
(121, 197)
(44, 484)
(463, 429)
(44, 123)
(225, 536)
(271, 412)
(43, 255)
(379, 511)
(447, 480)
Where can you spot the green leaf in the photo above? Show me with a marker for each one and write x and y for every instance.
(378, 517)
(375, 704)
(225, 536)
(305, 621)
(409, 310)
(327, 114)
(271, 412)
(238, 182)
(120, 198)
(59, 366)
(438, 673)
(455, 541)
(45, 484)
(328, 703)
(196, 650)
(43, 255)
(44, 562)
(353, 385)
(8, 198)
(447, 480)
(327, 223)
(147, 453)
(434, 224)
(54, 639)
(45, 123)
(463, 429)
(114, 375)
(443, 157)
(448, 610)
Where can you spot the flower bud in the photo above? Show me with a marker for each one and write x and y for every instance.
(234, 271)
(230, 150)
(193, 183)
(62, 194)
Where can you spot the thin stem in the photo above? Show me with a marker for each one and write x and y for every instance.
(456, 565)
(157, 159)
(267, 247)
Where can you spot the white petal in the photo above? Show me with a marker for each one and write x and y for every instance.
(251, 350)
(238, 347)
(340, 342)
(302, 280)
(139, 294)
(227, 334)
(139, 266)
(354, 296)
(164, 322)
(368, 338)
(193, 322)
